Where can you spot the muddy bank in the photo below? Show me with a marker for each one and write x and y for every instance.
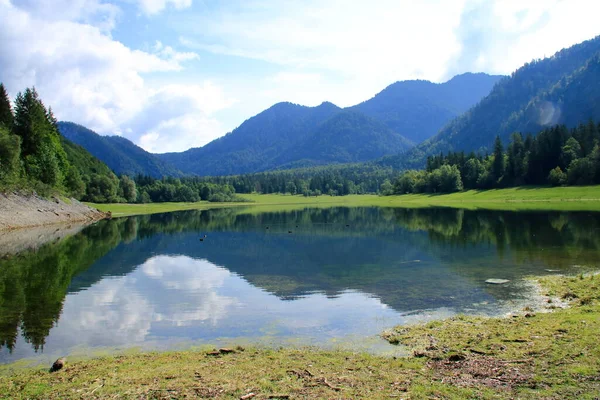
(25, 211)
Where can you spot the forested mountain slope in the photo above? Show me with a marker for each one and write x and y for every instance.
(289, 135)
(347, 137)
(562, 89)
(120, 154)
(255, 143)
(418, 109)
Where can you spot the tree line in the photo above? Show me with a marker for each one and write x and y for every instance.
(556, 156)
(35, 156)
(333, 180)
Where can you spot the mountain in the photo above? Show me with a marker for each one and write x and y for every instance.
(255, 143)
(347, 137)
(418, 109)
(120, 154)
(287, 135)
(562, 89)
(83, 160)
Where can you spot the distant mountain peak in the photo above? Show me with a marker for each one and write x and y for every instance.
(568, 80)
(418, 109)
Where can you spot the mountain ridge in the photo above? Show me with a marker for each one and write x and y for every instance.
(288, 135)
(418, 109)
(119, 153)
(542, 93)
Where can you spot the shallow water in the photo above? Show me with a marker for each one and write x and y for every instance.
(329, 277)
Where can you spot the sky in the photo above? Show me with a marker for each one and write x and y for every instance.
(174, 74)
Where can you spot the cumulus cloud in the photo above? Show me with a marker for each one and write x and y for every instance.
(500, 36)
(92, 79)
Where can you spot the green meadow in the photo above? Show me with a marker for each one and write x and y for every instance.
(572, 198)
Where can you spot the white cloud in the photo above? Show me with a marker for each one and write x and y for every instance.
(388, 39)
(151, 7)
(93, 12)
(366, 46)
(92, 79)
(178, 117)
(500, 36)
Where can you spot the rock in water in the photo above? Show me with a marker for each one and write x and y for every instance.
(58, 364)
(497, 281)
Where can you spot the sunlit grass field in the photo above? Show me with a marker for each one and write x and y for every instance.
(575, 198)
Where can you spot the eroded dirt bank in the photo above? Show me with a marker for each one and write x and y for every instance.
(26, 211)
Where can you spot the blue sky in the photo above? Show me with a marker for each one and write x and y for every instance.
(175, 74)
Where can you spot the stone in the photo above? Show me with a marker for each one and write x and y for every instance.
(494, 281)
(58, 364)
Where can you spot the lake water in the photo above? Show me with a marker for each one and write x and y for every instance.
(330, 277)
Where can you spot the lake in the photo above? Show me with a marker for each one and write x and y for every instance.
(329, 277)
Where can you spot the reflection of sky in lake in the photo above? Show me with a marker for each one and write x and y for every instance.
(329, 283)
(167, 299)
(176, 298)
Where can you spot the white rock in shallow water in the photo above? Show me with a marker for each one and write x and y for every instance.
(497, 281)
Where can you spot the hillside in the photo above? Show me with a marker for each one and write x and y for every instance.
(120, 154)
(81, 159)
(256, 143)
(418, 109)
(562, 89)
(347, 137)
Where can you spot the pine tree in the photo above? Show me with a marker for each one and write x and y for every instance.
(43, 155)
(6, 113)
(498, 164)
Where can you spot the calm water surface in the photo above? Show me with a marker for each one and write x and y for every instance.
(331, 277)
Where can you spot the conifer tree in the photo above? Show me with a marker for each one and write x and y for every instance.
(6, 113)
(498, 164)
(43, 155)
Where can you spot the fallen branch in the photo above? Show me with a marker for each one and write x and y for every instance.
(247, 396)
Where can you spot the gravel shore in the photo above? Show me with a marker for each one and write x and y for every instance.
(26, 211)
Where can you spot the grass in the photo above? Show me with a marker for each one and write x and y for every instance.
(550, 355)
(574, 198)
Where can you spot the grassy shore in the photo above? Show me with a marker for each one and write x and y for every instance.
(533, 354)
(578, 198)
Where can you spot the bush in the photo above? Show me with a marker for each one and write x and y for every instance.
(557, 177)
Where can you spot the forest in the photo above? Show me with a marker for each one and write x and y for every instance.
(556, 156)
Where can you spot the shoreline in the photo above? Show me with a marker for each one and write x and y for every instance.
(573, 198)
(19, 211)
(531, 354)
